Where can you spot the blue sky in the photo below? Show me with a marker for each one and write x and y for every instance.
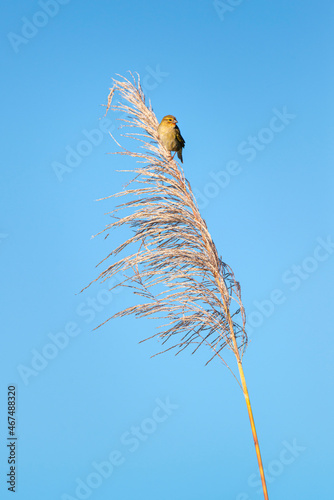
(251, 86)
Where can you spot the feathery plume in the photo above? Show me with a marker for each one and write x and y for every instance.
(174, 264)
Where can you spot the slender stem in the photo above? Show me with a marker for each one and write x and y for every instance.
(248, 404)
(251, 419)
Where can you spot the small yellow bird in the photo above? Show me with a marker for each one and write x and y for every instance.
(170, 135)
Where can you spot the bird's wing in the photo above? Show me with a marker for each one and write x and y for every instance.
(179, 136)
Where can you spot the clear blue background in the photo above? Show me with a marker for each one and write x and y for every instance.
(222, 74)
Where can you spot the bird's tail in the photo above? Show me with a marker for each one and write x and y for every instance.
(179, 154)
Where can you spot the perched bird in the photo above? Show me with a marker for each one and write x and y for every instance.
(170, 135)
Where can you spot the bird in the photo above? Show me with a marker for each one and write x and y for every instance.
(170, 135)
